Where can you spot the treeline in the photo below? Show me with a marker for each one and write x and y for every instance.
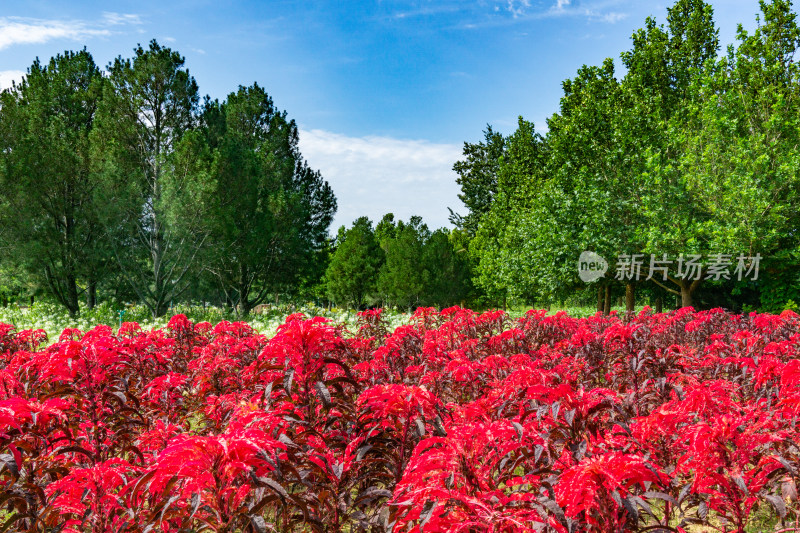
(126, 183)
(123, 185)
(690, 154)
(126, 187)
(398, 264)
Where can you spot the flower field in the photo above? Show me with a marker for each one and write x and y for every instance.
(456, 421)
(54, 319)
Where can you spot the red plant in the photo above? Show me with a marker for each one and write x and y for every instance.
(457, 421)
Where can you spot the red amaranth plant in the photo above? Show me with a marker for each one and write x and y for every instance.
(457, 421)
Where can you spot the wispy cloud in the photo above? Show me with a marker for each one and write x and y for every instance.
(118, 19)
(500, 13)
(518, 8)
(428, 10)
(507, 12)
(21, 30)
(614, 17)
(593, 11)
(8, 77)
(373, 175)
(596, 11)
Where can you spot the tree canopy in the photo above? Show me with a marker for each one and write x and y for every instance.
(688, 156)
(123, 177)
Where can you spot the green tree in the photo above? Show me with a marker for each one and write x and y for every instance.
(403, 276)
(270, 212)
(737, 149)
(579, 207)
(386, 230)
(447, 264)
(477, 177)
(146, 164)
(352, 273)
(600, 195)
(15, 284)
(665, 68)
(499, 271)
(589, 184)
(49, 217)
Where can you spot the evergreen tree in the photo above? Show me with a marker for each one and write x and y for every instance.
(404, 275)
(354, 265)
(49, 220)
(269, 212)
(447, 283)
(149, 157)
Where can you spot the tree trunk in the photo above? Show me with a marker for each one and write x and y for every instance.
(91, 294)
(600, 298)
(245, 304)
(686, 297)
(65, 290)
(687, 292)
(607, 302)
(630, 297)
(659, 305)
(160, 309)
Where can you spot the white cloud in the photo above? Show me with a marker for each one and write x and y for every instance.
(518, 7)
(517, 11)
(20, 30)
(592, 11)
(7, 77)
(614, 17)
(373, 176)
(118, 19)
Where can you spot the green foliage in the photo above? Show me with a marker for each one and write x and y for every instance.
(447, 264)
(422, 267)
(688, 153)
(399, 264)
(352, 273)
(500, 238)
(268, 211)
(477, 176)
(15, 285)
(49, 216)
(117, 185)
(402, 277)
(147, 157)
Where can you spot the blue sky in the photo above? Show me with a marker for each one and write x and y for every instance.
(385, 91)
